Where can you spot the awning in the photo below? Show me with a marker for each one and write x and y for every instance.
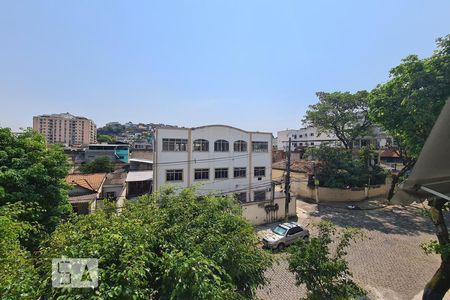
(139, 176)
(431, 173)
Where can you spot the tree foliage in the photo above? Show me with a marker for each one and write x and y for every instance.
(408, 105)
(112, 128)
(18, 277)
(101, 164)
(325, 272)
(344, 114)
(338, 167)
(104, 138)
(32, 172)
(164, 246)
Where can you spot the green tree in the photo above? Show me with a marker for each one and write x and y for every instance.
(344, 114)
(101, 164)
(407, 106)
(104, 138)
(32, 172)
(409, 103)
(112, 128)
(164, 246)
(18, 277)
(325, 274)
(338, 167)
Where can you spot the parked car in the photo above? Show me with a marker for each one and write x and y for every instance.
(283, 235)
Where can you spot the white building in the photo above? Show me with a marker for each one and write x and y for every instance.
(310, 137)
(304, 137)
(217, 158)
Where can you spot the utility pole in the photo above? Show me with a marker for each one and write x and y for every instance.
(287, 182)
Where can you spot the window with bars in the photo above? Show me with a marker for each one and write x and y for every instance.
(174, 144)
(240, 146)
(201, 174)
(260, 146)
(221, 173)
(200, 145)
(259, 195)
(260, 171)
(221, 146)
(174, 175)
(241, 197)
(240, 172)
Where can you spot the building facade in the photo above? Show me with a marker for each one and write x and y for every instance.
(310, 137)
(66, 129)
(304, 137)
(215, 158)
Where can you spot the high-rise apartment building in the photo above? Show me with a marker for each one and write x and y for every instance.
(66, 129)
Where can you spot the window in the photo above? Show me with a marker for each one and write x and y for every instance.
(174, 144)
(241, 197)
(201, 174)
(311, 134)
(294, 230)
(240, 172)
(260, 146)
(295, 144)
(301, 135)
(201, 145)
(260, 171)
(312, 143)
(110, 195)
(174, 175)
(240, 146)
(294, 136)
(301, 144)
(221, 146)
(221, 173)
(259, 195)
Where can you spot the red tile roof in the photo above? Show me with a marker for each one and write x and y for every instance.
(389, 153)
(91, 182)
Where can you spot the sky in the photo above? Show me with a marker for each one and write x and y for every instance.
(255, 64)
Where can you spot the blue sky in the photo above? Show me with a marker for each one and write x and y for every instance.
(251, 64)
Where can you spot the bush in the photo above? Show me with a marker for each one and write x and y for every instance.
(102, 164)
(325, 274)
(164, 246)
(338, 168)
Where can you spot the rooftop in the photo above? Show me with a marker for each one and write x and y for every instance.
(91, 182)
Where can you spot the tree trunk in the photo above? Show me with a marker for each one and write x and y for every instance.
(438, 286)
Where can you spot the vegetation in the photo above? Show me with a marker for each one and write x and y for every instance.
(104, 138)
(33, 173)
(102, 164)
(164, 246)
(112, 128)
(407, 106)
(325, 273)
(338, 168)
(344, 114)
(19, 276)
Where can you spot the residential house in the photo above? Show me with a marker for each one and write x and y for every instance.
(86, 191)
(139, 180)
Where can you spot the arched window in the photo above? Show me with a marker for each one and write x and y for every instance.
(200, 145)
(240, 146)
(221, 146)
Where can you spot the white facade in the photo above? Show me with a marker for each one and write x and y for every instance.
(310, 137)
(199, 156)
(304, 137)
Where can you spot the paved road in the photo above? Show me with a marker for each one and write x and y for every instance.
(389, 262)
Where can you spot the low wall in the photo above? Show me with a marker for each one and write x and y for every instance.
(325, 194)
(256, 213)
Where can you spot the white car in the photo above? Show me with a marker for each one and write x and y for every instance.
(284, 234)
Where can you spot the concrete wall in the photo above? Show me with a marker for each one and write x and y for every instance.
(256, 214)
(301, 190)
